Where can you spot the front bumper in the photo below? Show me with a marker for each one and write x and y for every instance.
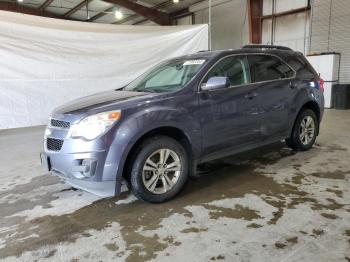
(70, 169)
(88, 165)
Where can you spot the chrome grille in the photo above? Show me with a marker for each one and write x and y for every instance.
(59, 123)
(54, 144)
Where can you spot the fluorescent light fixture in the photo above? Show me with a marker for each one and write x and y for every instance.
(176, 1)
(20, 1)
(118, 14)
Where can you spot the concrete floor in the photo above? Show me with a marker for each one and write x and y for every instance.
(266, 205)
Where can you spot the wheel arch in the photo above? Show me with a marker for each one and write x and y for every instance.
(312, 105)
(170, 131)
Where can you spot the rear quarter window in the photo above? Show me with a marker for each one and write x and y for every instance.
(301, 67)
(267, 67)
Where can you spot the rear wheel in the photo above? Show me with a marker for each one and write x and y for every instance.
(304, 131)
(159, 170)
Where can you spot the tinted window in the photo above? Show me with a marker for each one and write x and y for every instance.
(302, 67)
(233, 67)
(265, 68)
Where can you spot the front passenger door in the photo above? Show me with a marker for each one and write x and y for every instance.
(230, 118)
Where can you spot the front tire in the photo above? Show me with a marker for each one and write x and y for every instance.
(160, 169)
(304, 131)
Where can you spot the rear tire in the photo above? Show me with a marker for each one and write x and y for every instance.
(159, 170)
(304, 132)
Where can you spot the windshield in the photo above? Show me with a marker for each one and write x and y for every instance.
(167, 77)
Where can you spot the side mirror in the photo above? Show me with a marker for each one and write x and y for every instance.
(216, 82)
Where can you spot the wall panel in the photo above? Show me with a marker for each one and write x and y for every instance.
(330, 31)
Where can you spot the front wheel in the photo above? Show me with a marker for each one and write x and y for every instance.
(304, 131)
(160, 169)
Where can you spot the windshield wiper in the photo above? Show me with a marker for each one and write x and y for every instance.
(144, 90)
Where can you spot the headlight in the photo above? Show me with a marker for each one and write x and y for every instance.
(92, 126)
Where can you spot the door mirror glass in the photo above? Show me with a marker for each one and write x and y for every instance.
(216, 82)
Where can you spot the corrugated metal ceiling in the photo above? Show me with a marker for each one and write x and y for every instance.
(104, 10)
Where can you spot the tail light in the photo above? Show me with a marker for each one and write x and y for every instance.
(321, 85)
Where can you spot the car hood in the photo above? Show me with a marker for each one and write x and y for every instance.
(99, 101)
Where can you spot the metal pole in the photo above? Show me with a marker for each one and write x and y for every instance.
(87, 10)
(209, 23)
(273, 22)
(311, 4)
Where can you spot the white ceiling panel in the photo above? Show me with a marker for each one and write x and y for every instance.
(106, 19)
(61, 7)
(82, 14)
(97, 5)
(57, 10)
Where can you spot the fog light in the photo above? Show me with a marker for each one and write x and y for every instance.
(87, 168)
(90, 167)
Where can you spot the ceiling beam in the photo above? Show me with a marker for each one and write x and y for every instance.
(254, 18)
(45, 4)
(152, 14)
(13, 7)
(76, 8)
(289, 12)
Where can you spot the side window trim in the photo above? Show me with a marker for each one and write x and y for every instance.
(248, 70)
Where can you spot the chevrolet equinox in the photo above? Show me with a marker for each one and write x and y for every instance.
(153, 132)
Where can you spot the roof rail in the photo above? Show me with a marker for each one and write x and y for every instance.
(268, 47)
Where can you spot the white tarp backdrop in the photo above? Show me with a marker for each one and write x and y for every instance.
(45, 62)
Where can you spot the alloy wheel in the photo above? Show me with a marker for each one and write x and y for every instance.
(307, 130)
(161, 171)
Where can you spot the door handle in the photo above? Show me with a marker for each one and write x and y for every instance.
(251, 95)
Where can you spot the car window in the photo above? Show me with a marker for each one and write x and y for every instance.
(167, 77)
(233, 67)
(266, 68)
(301, 67)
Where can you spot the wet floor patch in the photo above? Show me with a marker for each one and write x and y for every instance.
(337, 174)
(238, 212)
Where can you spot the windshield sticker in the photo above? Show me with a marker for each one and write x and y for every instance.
(194, 62)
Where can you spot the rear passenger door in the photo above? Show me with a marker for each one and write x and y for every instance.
(274, 81)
